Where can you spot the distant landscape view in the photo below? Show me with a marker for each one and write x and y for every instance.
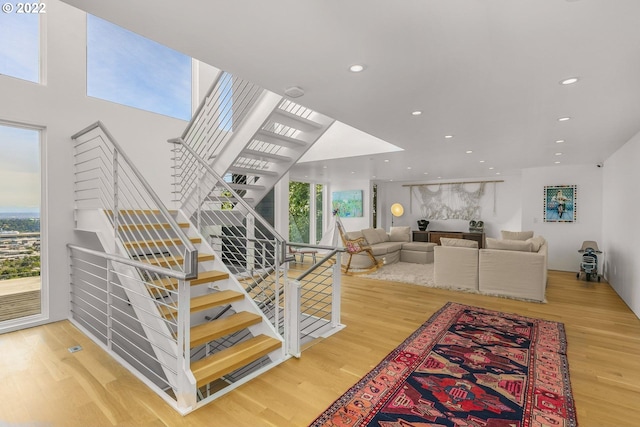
(20, 284)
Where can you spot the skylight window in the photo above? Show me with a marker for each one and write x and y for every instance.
(128, 69)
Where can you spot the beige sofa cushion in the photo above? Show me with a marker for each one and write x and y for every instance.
(516, 235)
(382, 234)
(456, 267)
(371, 235)
(400, 234)
(353, 235)
(536, 243)
(458, 243)
(509, 245)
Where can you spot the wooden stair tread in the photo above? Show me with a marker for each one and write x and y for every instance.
(171, 283)
(206, 301)
(218, 328)
(152, 226)
(159, 242)
(228, 360)
(176, 260)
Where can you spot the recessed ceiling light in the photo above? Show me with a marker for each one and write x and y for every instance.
(569, 81)
(558, 154)
(390, 180)
(560, 141)
(469, 151)
(557, 162)
(306, 176)
(356, 68)
(408, 167)
(491, 168)
(324, 167)
(416, 113)
(448, 136)
(426, 173)
(352, 172)
(374, 177)
(497, 173)
(439, 177)
(564, 119)
(386, 160)
(481, 161)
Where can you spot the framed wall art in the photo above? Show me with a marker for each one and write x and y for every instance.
(347, 203)
(560, 203)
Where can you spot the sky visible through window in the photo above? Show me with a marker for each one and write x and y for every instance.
(19, 170)
(20, 44)
(126, 68)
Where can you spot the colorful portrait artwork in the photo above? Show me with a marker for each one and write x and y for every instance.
(347, 203)
(560, 203)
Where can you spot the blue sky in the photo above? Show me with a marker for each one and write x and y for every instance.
(19, 169)
(126, 68)
(19, 52)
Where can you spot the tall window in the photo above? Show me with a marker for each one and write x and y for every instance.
(306, 218)
(19, 223)
(20, 46)
(129, 69)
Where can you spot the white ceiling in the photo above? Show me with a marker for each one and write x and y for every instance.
(485, 71)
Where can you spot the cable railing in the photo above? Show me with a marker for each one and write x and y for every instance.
(247, 244)
(112, 299)
(106, 179)
(224, 107)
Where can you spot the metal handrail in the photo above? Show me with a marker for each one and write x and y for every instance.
(227, 187)
(191, 253)
(133, 263)
(196, 114)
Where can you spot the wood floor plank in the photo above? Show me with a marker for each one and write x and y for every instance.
(40, 381)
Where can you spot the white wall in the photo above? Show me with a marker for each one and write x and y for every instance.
(505, 217)
(621, 204)
(62, 107)
(564, 238)
(355, 223)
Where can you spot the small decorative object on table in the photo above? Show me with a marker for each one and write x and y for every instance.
(476, 226)
(423, 224)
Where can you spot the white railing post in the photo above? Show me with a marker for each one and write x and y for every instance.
(109, 305)
(116, 213)
(292, 317)
(335, 293)
(186, 392)
(251, 245)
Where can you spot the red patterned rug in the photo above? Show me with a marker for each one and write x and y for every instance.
(466, 367)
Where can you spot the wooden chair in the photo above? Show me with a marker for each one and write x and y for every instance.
(354, 247)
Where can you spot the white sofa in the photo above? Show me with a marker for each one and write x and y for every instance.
(392, 247)
(456, 264)
(514, 267)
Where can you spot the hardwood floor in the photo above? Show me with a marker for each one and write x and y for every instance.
(41, 382)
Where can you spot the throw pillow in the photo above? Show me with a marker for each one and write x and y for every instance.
(516, 235)
(371, 235)
(536, 243)
(400, 234)
(459, 243)
(509, 245)
(382, 234)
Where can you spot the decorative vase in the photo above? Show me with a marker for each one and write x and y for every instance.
(422, 224)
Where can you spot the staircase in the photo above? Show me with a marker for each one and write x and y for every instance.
(198, 322)
(255, 143)
(196, 301)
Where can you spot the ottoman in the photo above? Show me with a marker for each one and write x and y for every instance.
(417, 252)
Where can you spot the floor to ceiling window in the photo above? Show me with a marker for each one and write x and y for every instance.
(306, 219)
(20, 284)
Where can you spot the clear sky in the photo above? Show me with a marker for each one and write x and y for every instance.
(126, 68)
(19, 51)
(19, 170)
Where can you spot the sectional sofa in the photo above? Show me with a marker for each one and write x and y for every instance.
(514, 266)
(391, 247)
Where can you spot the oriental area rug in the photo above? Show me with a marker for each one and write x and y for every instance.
(466, 367)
